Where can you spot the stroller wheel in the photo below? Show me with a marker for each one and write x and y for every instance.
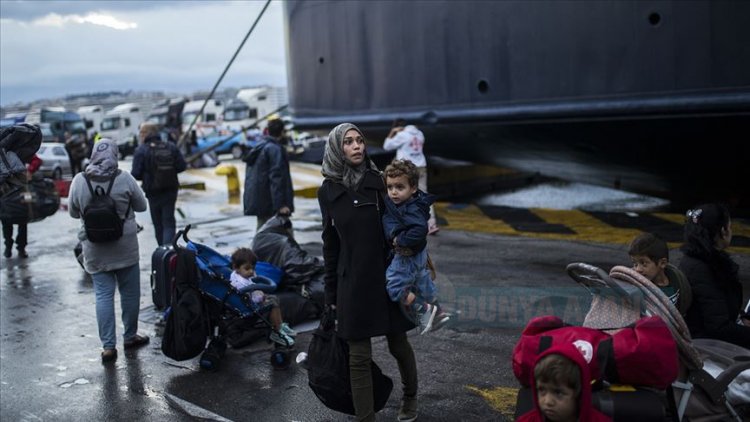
(280, 359)
(211, 357)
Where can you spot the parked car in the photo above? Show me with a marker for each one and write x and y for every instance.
(55, 160)
(235, 146)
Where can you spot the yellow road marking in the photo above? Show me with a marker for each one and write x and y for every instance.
(502, 399)
(587, 228)
(471, 218)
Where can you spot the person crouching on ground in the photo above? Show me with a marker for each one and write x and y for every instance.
(243, 279)
(112, 264)
(405, 223)
(354, 252)
(562, 388)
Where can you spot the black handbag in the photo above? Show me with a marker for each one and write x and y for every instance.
(328, 371)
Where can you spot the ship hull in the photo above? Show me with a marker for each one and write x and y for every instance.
(649, 96)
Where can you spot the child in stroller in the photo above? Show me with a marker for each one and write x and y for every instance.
(225, 303)
(243, 279)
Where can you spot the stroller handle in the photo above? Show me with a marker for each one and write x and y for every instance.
(181, 233)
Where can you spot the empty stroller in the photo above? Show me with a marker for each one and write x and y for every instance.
(225, 302)
(623, 296)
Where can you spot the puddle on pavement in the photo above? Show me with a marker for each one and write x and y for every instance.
(79, 381)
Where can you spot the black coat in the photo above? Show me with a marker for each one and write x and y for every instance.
(268, 182)
(355, 251)
(716, 303)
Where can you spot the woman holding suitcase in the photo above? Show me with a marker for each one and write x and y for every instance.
(115, 263)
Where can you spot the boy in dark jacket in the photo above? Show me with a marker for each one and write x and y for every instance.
(650, 256)
(408, 279)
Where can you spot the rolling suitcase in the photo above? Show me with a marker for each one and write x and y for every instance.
(163, 262)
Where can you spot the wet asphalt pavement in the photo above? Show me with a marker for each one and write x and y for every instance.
(50, 367)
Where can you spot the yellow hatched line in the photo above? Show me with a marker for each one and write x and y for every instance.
(471, 218)
(586, 227)
(502, 399)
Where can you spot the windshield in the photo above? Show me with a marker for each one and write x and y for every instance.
(75, 126)
(158, 119)
(111, 123)
(188, 117)
(236, 114)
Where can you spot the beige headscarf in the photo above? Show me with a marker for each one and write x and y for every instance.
(335, 165)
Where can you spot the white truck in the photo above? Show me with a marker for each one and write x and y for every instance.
(210, 119)
(92, 116)
(121, 124)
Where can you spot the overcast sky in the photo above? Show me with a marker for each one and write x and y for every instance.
(54, 48)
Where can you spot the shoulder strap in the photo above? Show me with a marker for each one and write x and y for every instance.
(112, 181)
(88, 183)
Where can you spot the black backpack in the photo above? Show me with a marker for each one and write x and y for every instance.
(100, 218)
(188, 326)
(162, 163)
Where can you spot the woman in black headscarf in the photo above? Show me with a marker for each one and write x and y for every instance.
(716, 309)
(355, 251)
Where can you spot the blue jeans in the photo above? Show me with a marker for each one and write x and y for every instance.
(161, 206)
(410, 274)
(128, 281)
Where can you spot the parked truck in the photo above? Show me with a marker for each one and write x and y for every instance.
(121, 124)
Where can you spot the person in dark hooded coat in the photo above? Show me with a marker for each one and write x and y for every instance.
(268, 182)
(355, 251)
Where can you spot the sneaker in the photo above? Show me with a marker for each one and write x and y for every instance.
(426, 318)
(281, 339)
(408, 410)
(433, 229)
(409, 313)
(441, 319)
(286, 329)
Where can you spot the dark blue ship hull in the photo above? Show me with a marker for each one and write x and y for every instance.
(649, 96)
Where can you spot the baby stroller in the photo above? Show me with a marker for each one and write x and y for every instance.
(224, 302)
(622, 297)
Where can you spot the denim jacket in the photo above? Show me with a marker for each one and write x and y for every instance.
(407, 223)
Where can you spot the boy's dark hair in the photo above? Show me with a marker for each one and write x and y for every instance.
(399, 122)
(275, 127)
(557, 369)
(650, 245)
(399, 168)
(243, 256)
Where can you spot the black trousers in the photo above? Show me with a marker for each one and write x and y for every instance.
(21, 239)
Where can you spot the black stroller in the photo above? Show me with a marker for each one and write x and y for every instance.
(224, 302)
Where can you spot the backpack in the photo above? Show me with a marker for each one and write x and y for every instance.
(642, 354)
(188, 326)
(100, 217)
(162, 163)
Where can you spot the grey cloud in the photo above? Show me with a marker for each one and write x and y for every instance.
(28, 10)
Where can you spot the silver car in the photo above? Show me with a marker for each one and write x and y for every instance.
(55, 160)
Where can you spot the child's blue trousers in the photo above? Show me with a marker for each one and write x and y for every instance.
(410, 274)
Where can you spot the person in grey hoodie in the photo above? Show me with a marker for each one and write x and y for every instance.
(112, 264)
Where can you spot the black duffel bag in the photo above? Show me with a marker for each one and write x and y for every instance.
(328, 370)
(30, 202)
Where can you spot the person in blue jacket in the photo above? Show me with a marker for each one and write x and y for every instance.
(409, 281)
(268, 182)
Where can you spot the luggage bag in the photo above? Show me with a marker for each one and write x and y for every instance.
(163, 263)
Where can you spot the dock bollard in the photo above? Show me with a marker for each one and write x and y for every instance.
(233, 182)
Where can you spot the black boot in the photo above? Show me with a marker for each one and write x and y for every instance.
(22, 253)
(7, 252)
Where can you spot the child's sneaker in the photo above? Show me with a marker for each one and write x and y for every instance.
(441, 319)
(281, 339)
(426, 317)
(286, 329)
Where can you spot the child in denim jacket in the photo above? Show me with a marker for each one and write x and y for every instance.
(408, 278)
